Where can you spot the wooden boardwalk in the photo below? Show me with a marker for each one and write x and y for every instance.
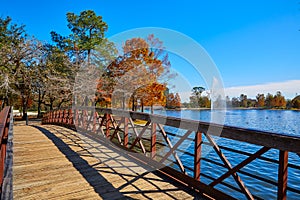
(52, 162)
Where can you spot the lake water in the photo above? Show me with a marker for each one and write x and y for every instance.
(277, 121)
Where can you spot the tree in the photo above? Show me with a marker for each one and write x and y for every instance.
(235, 102)
(276, 101)
(197, 91)
(269, 102)
(151, 95)
(143, 68)
(10, 35)
(177, 100)
(173, 101)
(260, 100)
(228, 102)
(87, 32)
(296, 102)
(54, 78)
(90, 51)
(196, 100)
(243, 100)
(279, 100)
(206, 102)
(25, 63)
(18, 60)
(194, 103)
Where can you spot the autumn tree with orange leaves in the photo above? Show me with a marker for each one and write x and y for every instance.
(173, 101)
(140, 74)
(151, 95)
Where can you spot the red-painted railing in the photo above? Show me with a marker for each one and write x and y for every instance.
(241, 154)
(5, 159)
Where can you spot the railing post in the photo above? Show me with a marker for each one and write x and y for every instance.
(70, 118)
(282, 175)
(107, 132)
(197, 155)
(153, 140)
(51, 117)
(64, 114)
(57, 116)
(95, 116)
(66, 117)
(76, 117)
(61, 116)
(125, 131)
(84, 118)
(54, 116)
(45, 118)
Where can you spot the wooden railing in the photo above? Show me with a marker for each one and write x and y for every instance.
(243, 163)
(6, 159)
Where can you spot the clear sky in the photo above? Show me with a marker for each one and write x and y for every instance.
(254, 44)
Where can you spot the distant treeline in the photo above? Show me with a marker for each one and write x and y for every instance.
(277, 101)
(269, 101)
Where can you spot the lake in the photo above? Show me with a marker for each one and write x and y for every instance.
(277, 121)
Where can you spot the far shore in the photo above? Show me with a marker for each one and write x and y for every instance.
(237, 108)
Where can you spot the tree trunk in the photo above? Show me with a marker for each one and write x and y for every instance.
(123, 101)
(133, 106)
(39, 115)
(6, 103)
(2, 104)
(142, 105)
(24, 109)
(51, 105)
(60, 103)
(86, 101)
(89, 56)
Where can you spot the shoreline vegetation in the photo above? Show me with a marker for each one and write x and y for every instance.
(235, 108)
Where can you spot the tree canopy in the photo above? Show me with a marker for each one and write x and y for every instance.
(87, 31)
(43, 75)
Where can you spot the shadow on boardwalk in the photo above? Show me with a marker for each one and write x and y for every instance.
(91, 175)
(111, 172)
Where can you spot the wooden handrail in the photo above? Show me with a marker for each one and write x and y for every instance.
(5, 179)
(102, 120)
(279, 141)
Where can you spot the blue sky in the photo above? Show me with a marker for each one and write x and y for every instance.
(254, 44)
